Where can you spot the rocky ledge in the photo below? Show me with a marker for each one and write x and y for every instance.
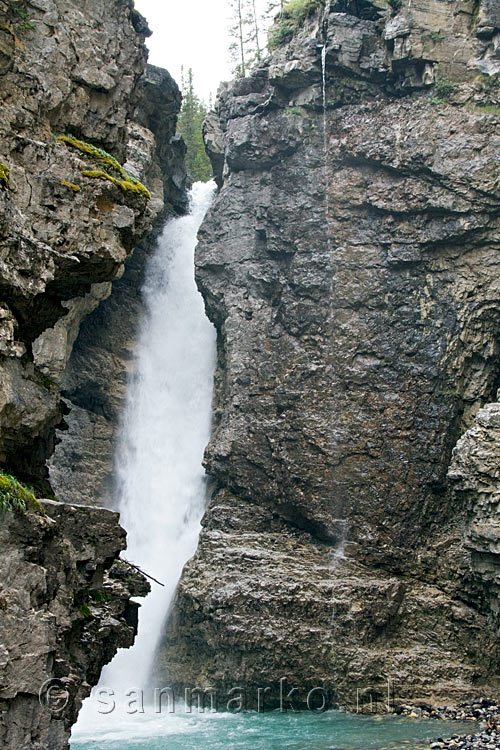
(65, 609)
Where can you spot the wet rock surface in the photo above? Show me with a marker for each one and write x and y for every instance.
(350, 265)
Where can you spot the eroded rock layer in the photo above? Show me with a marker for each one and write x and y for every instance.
(351, 266)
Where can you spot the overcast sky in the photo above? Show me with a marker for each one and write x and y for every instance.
(193, 33)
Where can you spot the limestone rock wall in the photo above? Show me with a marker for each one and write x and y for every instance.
(350, 264)
(94, 381)
(474, 472)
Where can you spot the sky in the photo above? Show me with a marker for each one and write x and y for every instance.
(193, 33)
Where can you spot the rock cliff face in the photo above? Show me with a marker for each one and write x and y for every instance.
(89, 168)
(64, 611)
(350, 264)
(69, 219)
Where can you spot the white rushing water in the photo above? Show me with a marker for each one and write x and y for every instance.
(160, 482)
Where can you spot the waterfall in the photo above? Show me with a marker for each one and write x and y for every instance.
(160, 482)
(323, 77)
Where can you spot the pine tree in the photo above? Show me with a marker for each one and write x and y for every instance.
(237, 31)
(247, 32)
(256, 31)
(246, 46)
(191, 116)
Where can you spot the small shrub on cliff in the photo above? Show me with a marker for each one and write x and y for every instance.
(16, 496)
(293, 16)
(445, 88)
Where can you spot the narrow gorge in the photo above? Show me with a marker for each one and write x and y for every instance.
(349, 264)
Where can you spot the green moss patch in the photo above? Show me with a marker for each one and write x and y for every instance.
(4, 175)
(71, 186)
(115, 172)
(125, 184)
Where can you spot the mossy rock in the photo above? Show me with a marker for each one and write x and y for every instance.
(127, 185)
(71, 186)
(121, 178)
(4, 175)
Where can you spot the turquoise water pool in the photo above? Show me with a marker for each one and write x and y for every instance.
(332, 730)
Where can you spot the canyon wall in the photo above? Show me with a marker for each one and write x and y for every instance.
(89, 169)
(350, 264)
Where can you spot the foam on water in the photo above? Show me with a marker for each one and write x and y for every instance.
(332, 730)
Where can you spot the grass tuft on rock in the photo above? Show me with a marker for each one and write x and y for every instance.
(14, 495)
(85, 610)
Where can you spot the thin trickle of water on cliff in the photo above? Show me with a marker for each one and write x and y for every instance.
(338, 555)
(160, 481)
(323, 78)
(325, 144)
